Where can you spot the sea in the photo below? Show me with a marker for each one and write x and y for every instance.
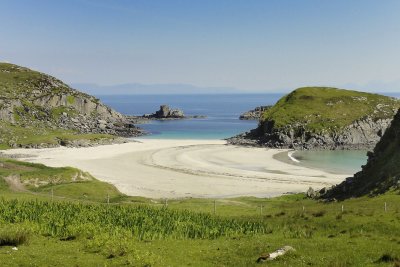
(222, 113)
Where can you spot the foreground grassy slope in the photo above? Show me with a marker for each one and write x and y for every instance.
(72, 229)
(363, 235)
(28, 180)
(330, 109)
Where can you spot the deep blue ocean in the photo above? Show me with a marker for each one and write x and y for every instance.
(222, 113)
(222, 121)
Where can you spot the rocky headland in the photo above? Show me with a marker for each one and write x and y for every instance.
(380, 174)
(38, 110)
(254, 114)
(323, 118)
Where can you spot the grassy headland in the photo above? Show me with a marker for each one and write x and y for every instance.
(38, 110)
(323, 118)
(328, 109)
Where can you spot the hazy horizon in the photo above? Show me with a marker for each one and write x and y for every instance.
(183, 89)
(242, 46)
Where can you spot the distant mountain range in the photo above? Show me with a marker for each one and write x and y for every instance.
(137, 88)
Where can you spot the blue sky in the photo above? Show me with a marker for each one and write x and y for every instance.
(263, 46)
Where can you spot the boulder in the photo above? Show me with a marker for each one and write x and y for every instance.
(166, 112)
(163, 112)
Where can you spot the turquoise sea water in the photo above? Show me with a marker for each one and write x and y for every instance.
(222, 121)
(336, 161)
(222, 113)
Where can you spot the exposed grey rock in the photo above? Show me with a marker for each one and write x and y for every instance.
(166, 112)
(47, 102)
(254, 114)
(311, 193)
(176, 113)
(361, 134)
(380, 174)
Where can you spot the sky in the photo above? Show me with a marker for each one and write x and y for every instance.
(249, 45)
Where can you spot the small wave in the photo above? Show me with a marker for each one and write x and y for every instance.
(290, 155)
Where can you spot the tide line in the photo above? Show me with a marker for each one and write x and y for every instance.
(290, 155)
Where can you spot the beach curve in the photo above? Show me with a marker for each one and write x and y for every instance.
(161, 168)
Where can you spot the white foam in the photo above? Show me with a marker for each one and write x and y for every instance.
(290, 155)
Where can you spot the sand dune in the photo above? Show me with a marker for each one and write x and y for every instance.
(187, 168)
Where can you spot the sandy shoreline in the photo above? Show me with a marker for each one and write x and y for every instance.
(187, 168)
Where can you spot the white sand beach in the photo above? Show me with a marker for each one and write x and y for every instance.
(187, 168)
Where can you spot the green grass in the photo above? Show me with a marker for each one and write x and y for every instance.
(16, 80)
(70, 99)
(13, 235)
(12, 136)
(31, 123)
(141, 234)
(84, 190)
(63, 183)
(328, 109)
(77, 228)
(58, 111)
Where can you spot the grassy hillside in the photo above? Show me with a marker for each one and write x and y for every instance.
(12, 135)
(17, 81)
(36, 180)
(77, 228)
(324, 108)
(38, 110)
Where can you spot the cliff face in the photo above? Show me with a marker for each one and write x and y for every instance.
(380, 174)
(323, 118)
(33, 99)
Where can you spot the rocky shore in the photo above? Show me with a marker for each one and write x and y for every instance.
(35, 105)
(379, 175)
(323, 118)
(360, 135)
(254, 114)
(164, 113)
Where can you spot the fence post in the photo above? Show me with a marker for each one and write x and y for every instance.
(304, 208)
(166, 202)
(385, 207)
(342, 207)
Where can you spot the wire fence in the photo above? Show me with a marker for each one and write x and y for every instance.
(263, 207)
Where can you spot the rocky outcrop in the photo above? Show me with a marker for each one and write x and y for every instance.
(166, 112)
(380, 174)
(254, 114)
(32, 99)
(362, 134)
(296, 123)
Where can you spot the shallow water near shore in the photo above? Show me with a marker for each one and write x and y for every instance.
(335, 161)
(222, 113)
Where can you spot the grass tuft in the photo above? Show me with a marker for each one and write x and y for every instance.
(13, 236)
